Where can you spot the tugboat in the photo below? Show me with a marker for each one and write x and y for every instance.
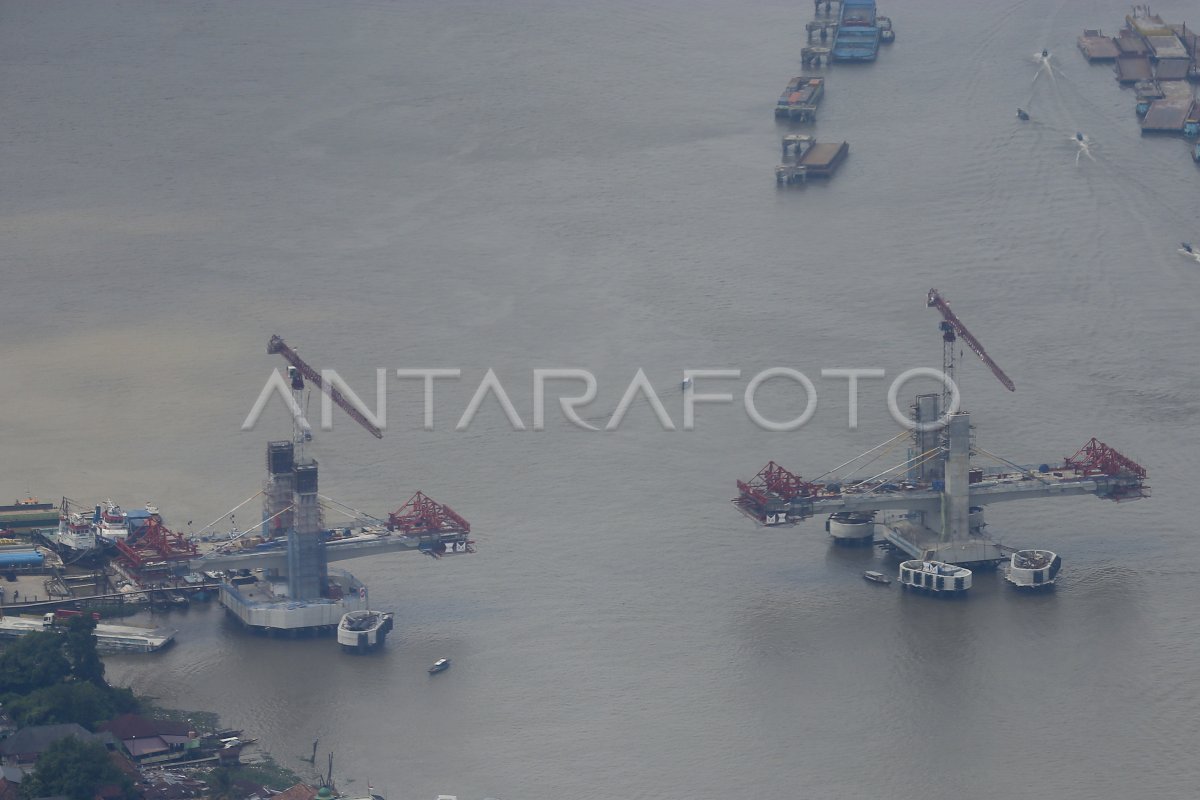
(936, 577)
(74, 537)
(441, 665)
(886, 34)
(363, 631)
(1033, 569)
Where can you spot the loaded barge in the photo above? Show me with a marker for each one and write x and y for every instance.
(800, 98)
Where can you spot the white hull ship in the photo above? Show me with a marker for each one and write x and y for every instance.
(111, 523)
(363, 631)
(1033, 569)
(936, 577)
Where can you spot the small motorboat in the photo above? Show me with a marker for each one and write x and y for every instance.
(877, 577)
(1022, 115)
(441, 665)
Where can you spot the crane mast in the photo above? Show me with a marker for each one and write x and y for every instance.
(953, 329)
(278, 345)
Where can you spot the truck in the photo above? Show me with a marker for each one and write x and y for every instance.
(64, 615)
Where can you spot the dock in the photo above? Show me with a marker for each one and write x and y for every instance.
(1095, 46)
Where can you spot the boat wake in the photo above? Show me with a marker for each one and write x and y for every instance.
(1084, 147)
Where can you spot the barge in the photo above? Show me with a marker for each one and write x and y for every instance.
(1171, 112)
(809, 158)
(28, 513)
(800, 98)
(858, 33)
(1095, 46)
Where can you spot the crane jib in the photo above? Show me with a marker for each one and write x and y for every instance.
(935, 300)
(278, 345)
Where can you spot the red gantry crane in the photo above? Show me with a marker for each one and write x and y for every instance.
(437, 525)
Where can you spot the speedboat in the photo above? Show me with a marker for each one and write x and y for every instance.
(441, 665)
(1033, 569)
(877, 577)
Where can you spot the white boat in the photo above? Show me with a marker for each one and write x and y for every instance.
(110, 523)
(876, 577)
(363, 631)
(936, 577)
(109, 638)
(1033, 569)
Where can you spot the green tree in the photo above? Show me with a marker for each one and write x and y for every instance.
(220, 783)
(84, 703)
(81, 650)
(34, 661)
(76, 769)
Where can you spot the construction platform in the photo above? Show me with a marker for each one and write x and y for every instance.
(260, 601)
(974, 551)
(1095, 46)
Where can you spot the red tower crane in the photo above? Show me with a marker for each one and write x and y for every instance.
(952, 329)
(278, 345)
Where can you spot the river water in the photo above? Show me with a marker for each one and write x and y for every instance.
(525, 185)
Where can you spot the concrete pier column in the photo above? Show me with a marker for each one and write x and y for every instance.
(957, 496)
